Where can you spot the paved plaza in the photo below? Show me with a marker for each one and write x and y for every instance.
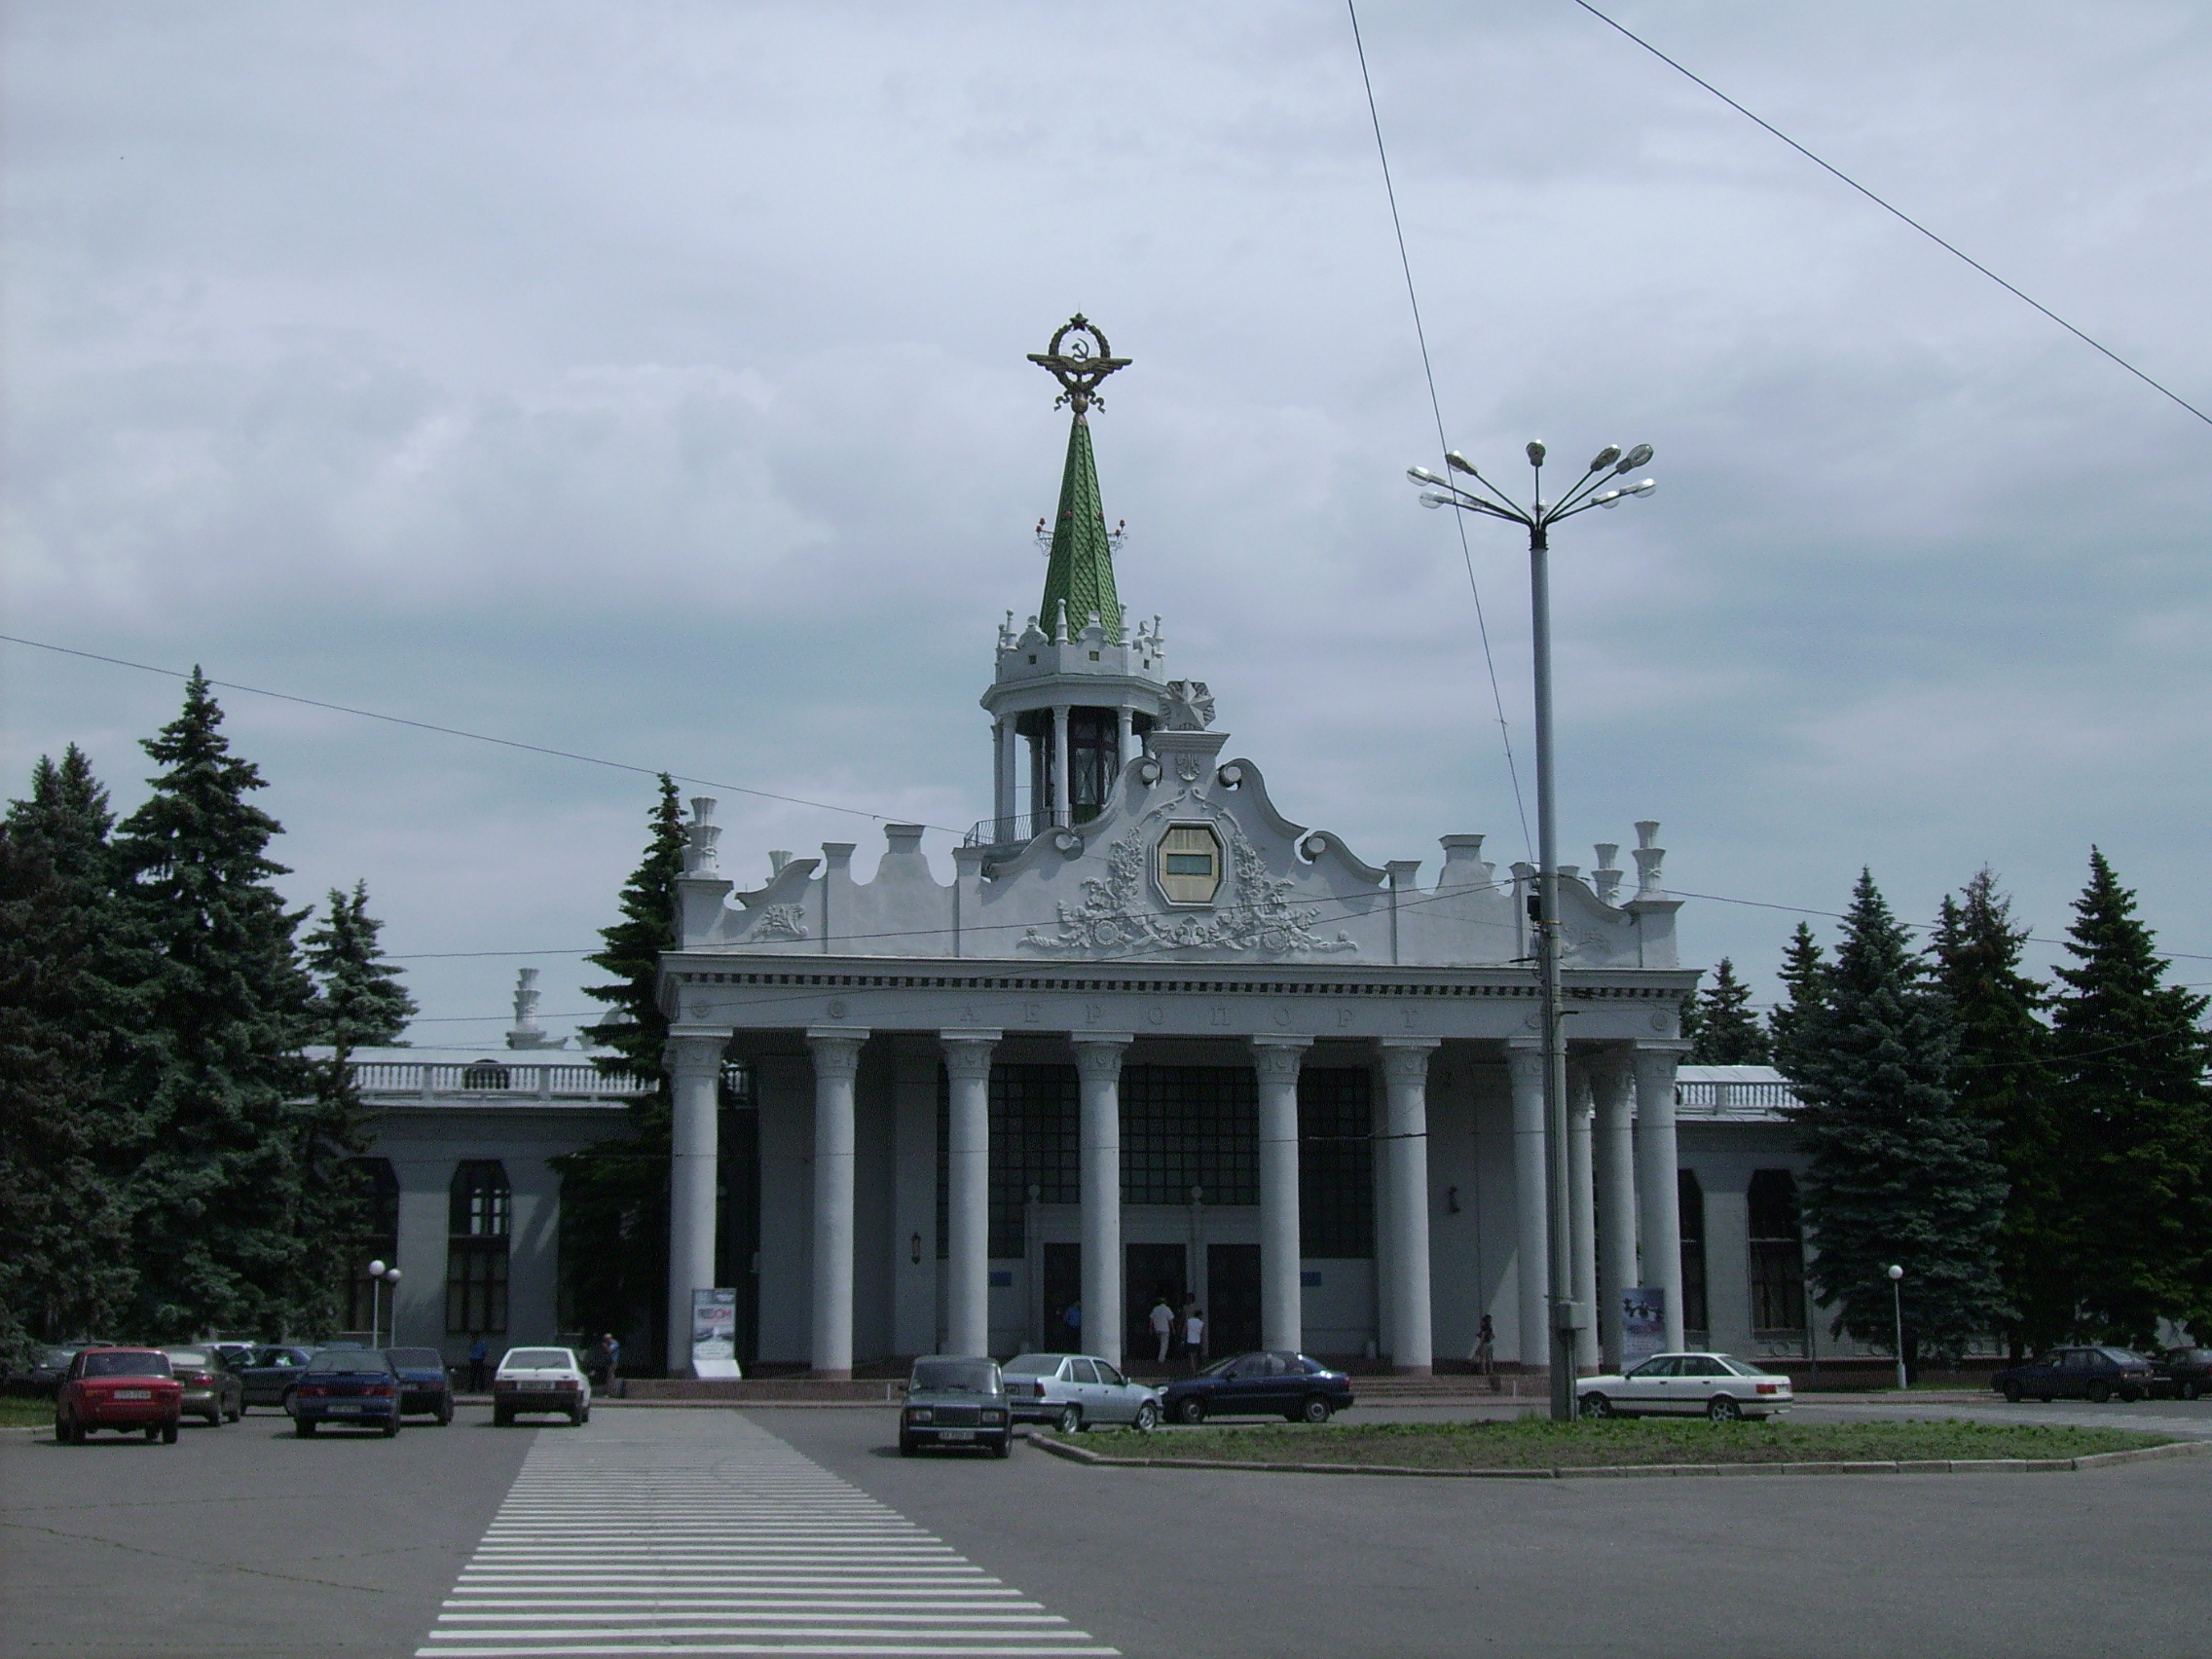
(663, 1530)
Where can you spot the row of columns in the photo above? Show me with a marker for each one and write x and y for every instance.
(1059, 767)
(1607, 1186)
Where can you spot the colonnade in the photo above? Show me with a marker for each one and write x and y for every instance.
(1059, 767)
(1621, 1184)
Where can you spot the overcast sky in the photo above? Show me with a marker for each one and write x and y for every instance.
(646, 380)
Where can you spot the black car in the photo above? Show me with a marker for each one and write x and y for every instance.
(48, 1367)
(2189, 1371)
(1265, 1383)
(274, 1375)
(2094, 1374)
(958, 1403)
(423, 1383)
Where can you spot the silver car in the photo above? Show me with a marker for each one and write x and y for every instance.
(1073, 1390)
(1686, 1384)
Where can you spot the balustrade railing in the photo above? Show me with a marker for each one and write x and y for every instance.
(1719, 1099)
(494, 1080)
(1021, 826)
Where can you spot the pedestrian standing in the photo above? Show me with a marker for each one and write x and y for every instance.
(1163, 1326)
(479, 1351)
(1194, 1337)
(1484, 1352)
(613, 1344)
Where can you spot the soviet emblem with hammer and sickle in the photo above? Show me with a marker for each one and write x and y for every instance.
(1081, 366)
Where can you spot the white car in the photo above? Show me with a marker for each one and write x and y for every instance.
(541, 1379)
(1686, 1384)
(1073, 1390)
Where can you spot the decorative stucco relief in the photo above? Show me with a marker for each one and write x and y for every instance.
(1260, 914)
(782, 921)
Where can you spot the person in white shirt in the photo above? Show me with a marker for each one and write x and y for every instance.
(1194, 1337)
(1162, 1325)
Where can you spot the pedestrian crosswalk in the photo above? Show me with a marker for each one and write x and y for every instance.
(701, 1532)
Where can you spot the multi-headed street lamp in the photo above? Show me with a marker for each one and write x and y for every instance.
(1594, 490)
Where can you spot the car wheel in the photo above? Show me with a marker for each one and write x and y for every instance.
(1146, 1418)
(287, 1403)
(1722, 1409)
(390, 1426)
(1071, 1420)
(1597, 1405)
(502, 1418)
(2129, 1393)
(445, 1412)
(237, 1412)
(1192, 1410)
(61, 1434)
(2012, 1392)
(2191, 1390)
(215, 1418)
(303, 1427)
(1315, 1409)
(2099, 1393)
(1005, 1446)
(580, 1416)
(2045, 1398)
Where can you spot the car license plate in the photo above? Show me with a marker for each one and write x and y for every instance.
(135, 1393)
(957, 1434)
(344, 1406)
(540, 1387)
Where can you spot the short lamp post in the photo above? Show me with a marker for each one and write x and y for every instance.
(379, 1276)
(1896, 1308)
(1594, 489)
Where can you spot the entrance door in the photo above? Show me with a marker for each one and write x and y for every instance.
(1150, 1272)
(1063, 1289)
(1232, 1286)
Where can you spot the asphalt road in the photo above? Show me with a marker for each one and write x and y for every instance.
(244, 1541)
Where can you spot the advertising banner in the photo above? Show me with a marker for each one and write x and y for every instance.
(1643, 1324)
(713, 1333)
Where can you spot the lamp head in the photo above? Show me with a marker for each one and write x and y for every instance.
(1535, 452)
(1895, 1272)
(1423, 475)
(1431, 498)
(391, 1275)
(1635, 459)
(1646, 487)
(1605, 458)
(1459, 462)
(376, 1270)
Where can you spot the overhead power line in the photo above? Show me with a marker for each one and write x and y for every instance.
(1898, 213)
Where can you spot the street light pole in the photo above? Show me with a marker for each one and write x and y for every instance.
(1896, 1298)
(375, 1288)
(1568, 1316)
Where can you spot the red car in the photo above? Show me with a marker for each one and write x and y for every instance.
(124, 1388)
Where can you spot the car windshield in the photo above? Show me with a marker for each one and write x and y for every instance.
(127, 1365)
(1220, 1367)
(347, 1359)
(1032, 1365)
(538, 1359)
(58, 1356)
(189, 1356)
(417, 1359)
(1742, 1367)
(955, 1377)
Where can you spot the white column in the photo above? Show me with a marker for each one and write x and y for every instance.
(695, 1061)
(1656, 1188)
(1002, 772)
(1064, 802)
(1098, 1069)
(1282, 1314)
(1581, 1216)
(836, 1058)
(968, 1192)
(1530, 1211)
(1126, 749)
(1405, 1072)
(1613, 1158)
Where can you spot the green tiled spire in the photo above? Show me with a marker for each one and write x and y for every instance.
(1081, 569)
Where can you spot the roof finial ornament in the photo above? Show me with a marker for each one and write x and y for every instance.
(1081, 366)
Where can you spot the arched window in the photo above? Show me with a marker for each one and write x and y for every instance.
(1778, 1255)
(379, 1243)
(481, 1207)
(1690, 1196)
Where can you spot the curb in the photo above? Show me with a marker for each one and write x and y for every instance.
(1631, 1471)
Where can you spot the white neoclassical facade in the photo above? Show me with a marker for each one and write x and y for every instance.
(1157, 1039)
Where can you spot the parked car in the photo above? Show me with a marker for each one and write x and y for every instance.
(1265, 1383)
(353, 1386)
(211, 1389)
(1685, 1385)
(2189, 1371)
(424, 1386)
(126, 1389)
(47, 1368)
(1074, 1391)
(268, 1381)
(955, 1402)
(2093, 1374)
(541, 1379)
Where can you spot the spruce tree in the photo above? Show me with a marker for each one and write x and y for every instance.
(67, 1135)
(2135, 1130)
(614, 1194)
(1803, 975)
(1727, 1033)
(1896, 1172)
(357, 1002)
(218, 1198)
(2002, 1078)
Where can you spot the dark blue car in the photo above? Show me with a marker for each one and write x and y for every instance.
(355, 1386)
(423, 1383)
(1265, 1383)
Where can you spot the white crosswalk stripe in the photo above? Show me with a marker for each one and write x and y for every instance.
(701, 1532)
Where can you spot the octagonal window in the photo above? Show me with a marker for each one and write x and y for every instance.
(1189, 864)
